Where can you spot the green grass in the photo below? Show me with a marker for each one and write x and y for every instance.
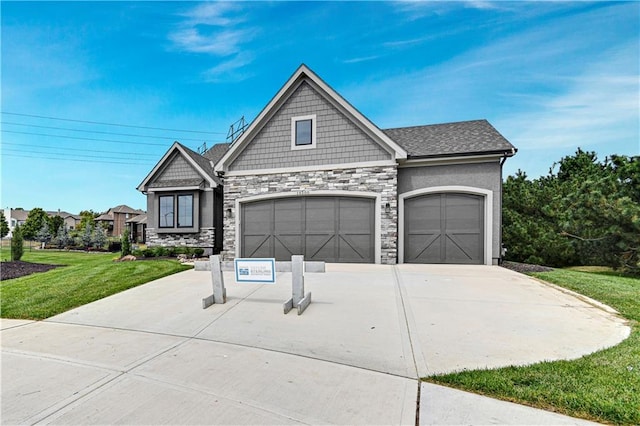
(85, 278)
(603, 386)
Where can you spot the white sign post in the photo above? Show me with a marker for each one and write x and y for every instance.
(299, 299)
(261, 271)
(219, 292)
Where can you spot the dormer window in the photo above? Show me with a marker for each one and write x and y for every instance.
(303, 132)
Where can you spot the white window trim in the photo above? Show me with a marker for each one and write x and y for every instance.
(311, 117)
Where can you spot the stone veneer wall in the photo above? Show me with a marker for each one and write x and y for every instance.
(382, 180)
(204, 239)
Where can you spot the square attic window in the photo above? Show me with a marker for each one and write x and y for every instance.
(303, 132)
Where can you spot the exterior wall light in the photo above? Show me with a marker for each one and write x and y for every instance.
(387, 208)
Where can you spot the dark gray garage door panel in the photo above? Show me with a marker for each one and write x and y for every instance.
(444, 228)
(333, 229)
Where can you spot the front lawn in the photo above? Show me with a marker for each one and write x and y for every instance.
(603, 386)
(85, 278)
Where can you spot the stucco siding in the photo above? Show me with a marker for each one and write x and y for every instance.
(479, 175)
(338, 140)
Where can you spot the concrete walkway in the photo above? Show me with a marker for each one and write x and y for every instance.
(152, 355)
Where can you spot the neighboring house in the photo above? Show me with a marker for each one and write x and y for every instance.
(138, 227)
(19, 217)
(15, 217)
(311, 175)
(70, 220)
(114, 220)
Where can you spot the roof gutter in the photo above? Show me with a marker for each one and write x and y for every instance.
(507, 155)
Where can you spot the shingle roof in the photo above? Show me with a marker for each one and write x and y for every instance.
(122, 208)
(203, 162)
(216, 152)
(141, 218)
(461, 138)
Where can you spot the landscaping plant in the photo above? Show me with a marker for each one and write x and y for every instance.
(16, 244)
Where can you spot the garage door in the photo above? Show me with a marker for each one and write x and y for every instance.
(332, 229)
(444, 228)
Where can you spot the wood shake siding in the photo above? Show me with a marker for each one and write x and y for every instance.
(338, 140)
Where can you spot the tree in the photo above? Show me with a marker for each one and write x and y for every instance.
(588, 212)
(99, 237)
(62, 238)
(55, 222)
(87, 236)
(16, 244)
(44, 235)
(4, 227)
(126, 243)
(33, 224)
(87, 217)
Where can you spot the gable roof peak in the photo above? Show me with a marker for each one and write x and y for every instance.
(304, 72)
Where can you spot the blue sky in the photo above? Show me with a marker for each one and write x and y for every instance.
(550, 76)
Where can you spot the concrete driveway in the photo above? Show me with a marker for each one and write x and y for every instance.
(152, 355)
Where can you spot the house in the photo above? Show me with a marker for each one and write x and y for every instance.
(14, 217)
(312, 175)
(70, 220)
(19, 217)
(114, 220)
(184, 199)
(138, 227)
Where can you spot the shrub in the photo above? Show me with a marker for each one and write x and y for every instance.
(16, 244)
(198, 252)
(115, 246)
(159, 251)
(148, 252)
(126, 244)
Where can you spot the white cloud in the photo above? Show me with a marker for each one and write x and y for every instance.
(213, 13)
(360, 59)
(212, 28)
(600, 105)
(230, 70)
(219, 43)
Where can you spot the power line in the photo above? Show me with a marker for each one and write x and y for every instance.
(88, 139)
(110, 124)
(96, 131)
(77, 161)
(83, 139)
(57, 148)
(73, 155)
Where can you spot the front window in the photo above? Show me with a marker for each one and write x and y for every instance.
(166, 211)
(303, 132)
(185, 211)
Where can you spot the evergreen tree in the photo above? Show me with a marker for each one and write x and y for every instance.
(4, 226)
(44, 235)
(87, 236)
(16, 244)
(62, 239)
(99, 237)
(126, 243)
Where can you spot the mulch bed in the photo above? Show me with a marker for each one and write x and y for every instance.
(10, 270)
(525, 267)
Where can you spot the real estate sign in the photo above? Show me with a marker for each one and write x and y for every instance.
(255, 270)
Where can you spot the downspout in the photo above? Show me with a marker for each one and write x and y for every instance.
(512, 153)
